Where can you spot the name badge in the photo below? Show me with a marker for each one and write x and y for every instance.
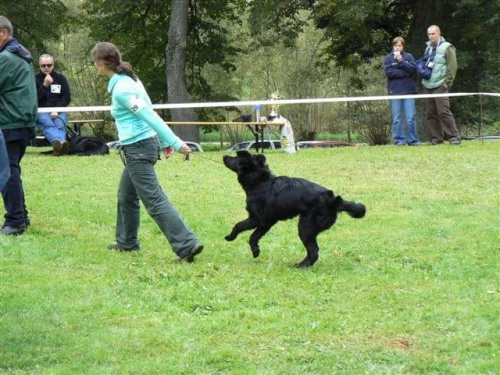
(55, 89)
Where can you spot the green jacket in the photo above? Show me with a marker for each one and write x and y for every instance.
(445, 66)
(18, 99)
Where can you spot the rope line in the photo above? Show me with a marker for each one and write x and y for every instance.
(271, 102)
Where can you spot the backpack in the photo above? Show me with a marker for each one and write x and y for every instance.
(423, 70)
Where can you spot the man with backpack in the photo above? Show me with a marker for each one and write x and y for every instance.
(443, 61)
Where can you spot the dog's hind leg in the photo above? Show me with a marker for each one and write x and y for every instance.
(255, 238)
(241, 227)
(308, 234)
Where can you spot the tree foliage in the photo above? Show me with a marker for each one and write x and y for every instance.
(246, 49)
(359, 30)
(37, 22)
(140, 29)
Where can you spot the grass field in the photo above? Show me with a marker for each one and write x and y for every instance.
(410, 289)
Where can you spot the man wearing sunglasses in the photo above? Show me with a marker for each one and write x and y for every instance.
(53, 91)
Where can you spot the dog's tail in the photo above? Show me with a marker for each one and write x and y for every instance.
(355, 210)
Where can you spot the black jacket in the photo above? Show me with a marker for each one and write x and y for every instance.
(47, 98)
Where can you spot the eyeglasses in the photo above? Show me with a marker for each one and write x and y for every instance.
(46, 65)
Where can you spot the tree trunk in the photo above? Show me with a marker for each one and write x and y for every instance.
(177, 91)
(426, 13)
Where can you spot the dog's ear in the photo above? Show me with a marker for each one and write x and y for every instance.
(260, 159)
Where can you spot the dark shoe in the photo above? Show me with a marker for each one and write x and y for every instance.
(65, 148)
(56, 146)
(189, 258)
(13, 231)
(115, 246)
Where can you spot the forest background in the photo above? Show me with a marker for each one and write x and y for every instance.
(249, 49)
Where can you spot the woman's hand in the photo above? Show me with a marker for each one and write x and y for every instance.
(184, 149)
(169, 151)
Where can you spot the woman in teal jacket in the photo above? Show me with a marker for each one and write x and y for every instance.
(143, 135)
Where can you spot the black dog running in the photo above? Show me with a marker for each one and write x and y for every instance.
(271, 199)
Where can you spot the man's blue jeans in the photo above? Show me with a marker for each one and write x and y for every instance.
(53, 128)
(406, 108)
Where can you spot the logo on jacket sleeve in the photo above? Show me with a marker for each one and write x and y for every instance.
(135, 104)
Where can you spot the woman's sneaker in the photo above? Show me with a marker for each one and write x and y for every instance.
(115, 246)
(189, 258)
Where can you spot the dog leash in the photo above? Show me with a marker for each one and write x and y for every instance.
(121, 152)
(198, 154)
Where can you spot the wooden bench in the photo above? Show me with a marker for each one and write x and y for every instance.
(77, 124)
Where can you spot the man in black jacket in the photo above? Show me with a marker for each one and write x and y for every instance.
(53, 91)
(18, 109)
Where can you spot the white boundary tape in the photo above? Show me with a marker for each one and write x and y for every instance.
(270, 102)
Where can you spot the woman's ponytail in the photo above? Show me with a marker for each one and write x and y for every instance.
(125, 68)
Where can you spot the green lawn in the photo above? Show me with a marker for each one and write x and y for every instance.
(410, 289)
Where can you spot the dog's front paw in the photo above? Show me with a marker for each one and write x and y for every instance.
(255, 252)
(230, 237)
(303, 264)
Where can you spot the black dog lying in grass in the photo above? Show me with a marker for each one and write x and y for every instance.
(271, 199)
(82, 146)
(87, 146)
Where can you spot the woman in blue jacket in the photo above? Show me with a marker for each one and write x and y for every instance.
(143, 135)
(400, 69)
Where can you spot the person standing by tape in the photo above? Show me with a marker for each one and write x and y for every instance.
(399, 67)
(18, 109)
(444, 68)
(143, 136)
